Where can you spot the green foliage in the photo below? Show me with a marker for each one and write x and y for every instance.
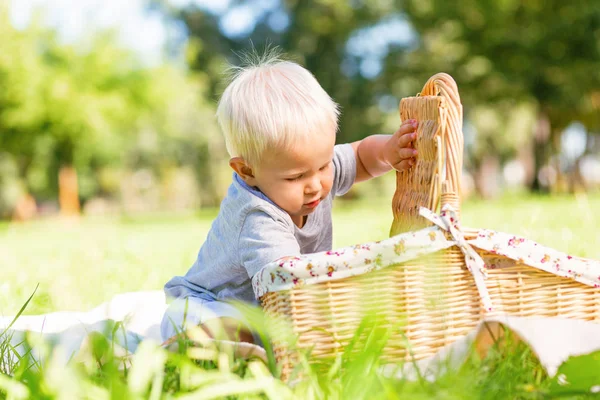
(9, 355)
(198, 368)
(508, 55)
(81, 266)
(65, 105)
(517, 64)
(578, 375)
(93, 105)
(316, 38)
(546, 51)
(178, 130)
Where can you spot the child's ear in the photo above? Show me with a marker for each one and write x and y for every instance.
(239, 165)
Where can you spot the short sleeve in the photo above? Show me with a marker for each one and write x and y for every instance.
(344, 166)
(264, 239)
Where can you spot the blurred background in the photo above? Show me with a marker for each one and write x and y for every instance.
(107, 106)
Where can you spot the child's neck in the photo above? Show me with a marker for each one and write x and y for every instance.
(299, 221)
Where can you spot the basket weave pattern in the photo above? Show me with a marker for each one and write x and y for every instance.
(430, 302)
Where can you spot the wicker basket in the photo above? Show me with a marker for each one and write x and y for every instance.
(435, 298)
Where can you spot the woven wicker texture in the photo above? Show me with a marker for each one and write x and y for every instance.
(430, 302)
(440, 145)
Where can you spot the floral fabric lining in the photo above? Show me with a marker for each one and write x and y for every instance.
(502, 250)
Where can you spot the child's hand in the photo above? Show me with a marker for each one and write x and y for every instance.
(399, 151)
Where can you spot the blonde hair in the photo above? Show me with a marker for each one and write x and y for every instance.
(271, 103)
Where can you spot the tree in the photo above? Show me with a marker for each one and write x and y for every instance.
(66, 109)
(316, 36)
(540, 52)
(72, 111)
(179, 129)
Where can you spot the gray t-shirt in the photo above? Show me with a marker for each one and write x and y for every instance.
(250, 231)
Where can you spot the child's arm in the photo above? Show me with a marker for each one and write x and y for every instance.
(378, 154)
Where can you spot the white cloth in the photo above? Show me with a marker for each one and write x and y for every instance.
(136, 316)
(194, 311)
(553, 340)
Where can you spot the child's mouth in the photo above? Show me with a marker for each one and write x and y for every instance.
(313, 204)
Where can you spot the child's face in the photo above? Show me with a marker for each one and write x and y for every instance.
(297, 180)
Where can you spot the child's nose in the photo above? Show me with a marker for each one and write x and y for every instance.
(313, 186)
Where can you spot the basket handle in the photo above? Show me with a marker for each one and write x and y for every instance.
(436, 176)
(443, 85)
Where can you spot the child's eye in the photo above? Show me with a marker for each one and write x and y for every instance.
(296, 178)
(324, 167)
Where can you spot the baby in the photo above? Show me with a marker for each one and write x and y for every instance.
(280, 127)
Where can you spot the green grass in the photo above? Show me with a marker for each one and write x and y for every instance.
(80, 264)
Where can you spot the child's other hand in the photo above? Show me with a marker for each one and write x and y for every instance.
(399, 151)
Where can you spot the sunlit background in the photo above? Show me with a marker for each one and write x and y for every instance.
(107, 106)
(112, 165)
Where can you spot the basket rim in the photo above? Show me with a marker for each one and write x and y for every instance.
(498, 250)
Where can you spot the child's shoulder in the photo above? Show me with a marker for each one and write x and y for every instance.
(248, 206)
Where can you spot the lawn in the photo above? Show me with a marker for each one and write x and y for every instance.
(80, 264)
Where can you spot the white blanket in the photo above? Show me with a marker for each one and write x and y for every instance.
(127, 319)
